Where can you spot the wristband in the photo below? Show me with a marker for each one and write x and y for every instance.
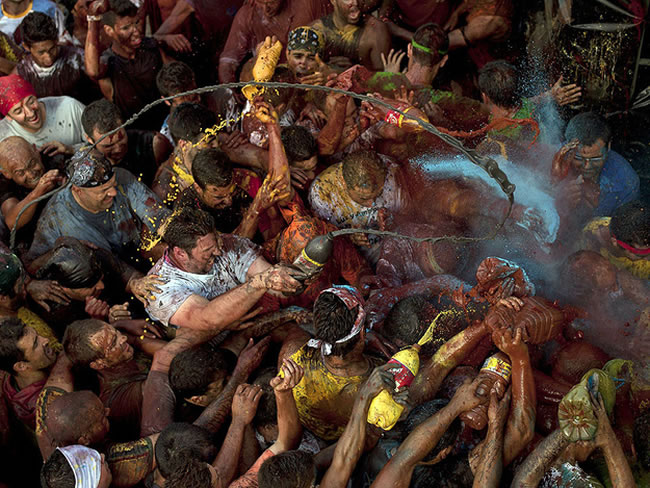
(93, 18)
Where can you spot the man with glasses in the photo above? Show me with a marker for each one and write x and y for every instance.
(592, 175)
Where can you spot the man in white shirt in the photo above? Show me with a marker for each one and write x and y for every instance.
(52, 124)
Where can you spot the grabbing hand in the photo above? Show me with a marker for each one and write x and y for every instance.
(119, 312)
(498, 409)
(291, 376)
(513, 303)
(144, 288)
(299, 178)
(264, 111)
(176, 42)
(319, 76)
(48, 182)
(605, 434)
(272, 191)
(465, 398)
(360, 239)
(514, 347)
(96, 308)
(393, 62)
(43, 290)
(277, 278)
(251, 356)
(380, 379)
(233, 140)
(140, 328)
(98, 7)
(563, 159)
(244, 403)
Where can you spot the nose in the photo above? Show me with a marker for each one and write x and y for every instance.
(112, 192)
(28, 111)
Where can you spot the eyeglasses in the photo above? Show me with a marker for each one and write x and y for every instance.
(597, 159)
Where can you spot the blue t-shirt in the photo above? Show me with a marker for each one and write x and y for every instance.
(619, 184)
(116, 230)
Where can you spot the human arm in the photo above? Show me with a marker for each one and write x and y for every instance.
(374, 42)
(490, 468)
(426, 383)
(532, 470)
(244, 406)
(484, 27)
(167, 32)
(271, 192)
(398, 471)
(214, 415)
(289, 427)
(617, 465)
(95, 69)
(329, 137)
(239, 150)
(12, 206)
(236, 47)
(44, 291)
(351, 443)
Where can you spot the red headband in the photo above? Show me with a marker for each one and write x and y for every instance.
(12, 90)
(633, 250)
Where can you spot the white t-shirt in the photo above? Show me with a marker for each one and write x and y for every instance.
(62, 123)
(9, 24)
(228, 271)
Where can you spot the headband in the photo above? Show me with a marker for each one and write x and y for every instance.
(12, 90)
(86, 464)
(351, 298)
(305, 38)
(10, 270)
(632, 249)
(88, 170)
(428, 50)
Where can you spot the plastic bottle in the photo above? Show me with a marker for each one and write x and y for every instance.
(314, 256)
(384, 412)
(495, 368)
(263, 68)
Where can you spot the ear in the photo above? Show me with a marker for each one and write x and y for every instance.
(409, 50)
(21, 366)
(443, 61)
(98, 364)
(88, 138)
(110, 32)
(485, 99)
(180, 255)
(167, 102)
(83, 440)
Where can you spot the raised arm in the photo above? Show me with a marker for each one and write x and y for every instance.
(398, 471)
(350, 445)
(431, 375)
(532, 470)
(289, 427)
(12, 206)
(94, 67)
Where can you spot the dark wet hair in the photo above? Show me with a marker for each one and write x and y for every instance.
(587, 128)
(299, 143)
(190, 473)
(76, 341)
(173, 78)
(189, 121)
(211, 167)
(192, 370)
(432, 37)
(361, 168)
(291, 469)
(267, 410)
(102, 115)
(119, 9)
(38, 27)
(12, 329)
(56, 472)
(631, 223)
(179, 442)
(187, 227)
(72, 265)
(333, 321)
(499, 80)
(407, 320)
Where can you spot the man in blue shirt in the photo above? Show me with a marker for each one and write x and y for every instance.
(105, 206)
(594, 176)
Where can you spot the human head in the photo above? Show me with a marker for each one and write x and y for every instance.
(200, 373)
(498, 82)
(301, 147)
(22, 349)
(177, 77)
(347, 10)
(429, 47)
(90, 465)
(188, 124)
(179, 442)
(99, 118)
(594, 141)
(40, 38)
(78, 417)
(407, 322)
(192, 242)
(76, 268)
(266, 415)
(12, 282)
(338, 319)
(303, 46)
(95, 344)
(18, 101)
(93, 183)
(290, 469)
(122, 24)
(364, 175)
(21, 162)
(270, 8)
(212, 172)
(629, 229)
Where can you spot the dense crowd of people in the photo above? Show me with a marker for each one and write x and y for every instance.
(178, 310)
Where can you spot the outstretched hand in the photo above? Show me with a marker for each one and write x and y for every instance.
(290, 376)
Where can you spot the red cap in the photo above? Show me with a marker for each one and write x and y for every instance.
(12, 90)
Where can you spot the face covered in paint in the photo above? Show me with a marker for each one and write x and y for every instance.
(24, 166)
(349, 10)
(36, 349)
(270, 8)
(44, 53)
(302, 62)
(113, 147)
(589, 160)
